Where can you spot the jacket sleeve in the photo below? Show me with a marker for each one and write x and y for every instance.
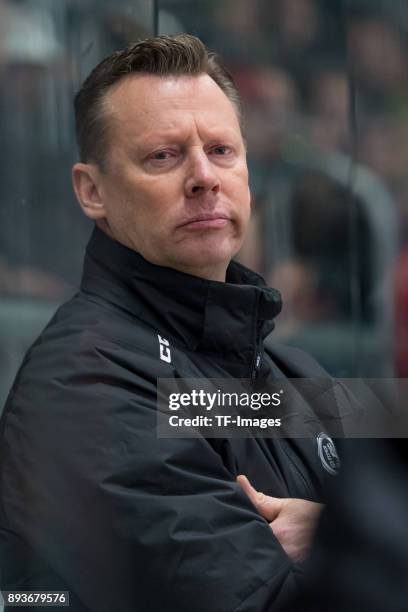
(127, 520)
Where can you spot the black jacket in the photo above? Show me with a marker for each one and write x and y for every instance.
(92, 501)
(360, 557)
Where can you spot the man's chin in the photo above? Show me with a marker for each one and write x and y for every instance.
(207, 262)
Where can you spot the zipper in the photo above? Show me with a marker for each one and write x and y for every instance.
(256, 364)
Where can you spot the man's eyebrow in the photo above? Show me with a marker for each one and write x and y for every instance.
(176, 136)
(150, 142)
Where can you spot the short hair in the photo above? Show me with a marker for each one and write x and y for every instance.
(159, 55)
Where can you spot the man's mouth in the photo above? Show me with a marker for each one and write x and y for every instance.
(205, 221)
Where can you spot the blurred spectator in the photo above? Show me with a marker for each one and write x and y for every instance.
(328, 103)
(299, 22)
(270, 101)
(234, 31)
(315, 282)
(378, 56)
(383, 146)
(270, 104)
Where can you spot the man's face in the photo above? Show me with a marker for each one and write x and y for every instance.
(176, 184)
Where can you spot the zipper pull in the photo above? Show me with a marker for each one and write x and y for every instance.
(257, 366)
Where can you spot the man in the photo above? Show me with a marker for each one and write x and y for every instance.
(93, 501)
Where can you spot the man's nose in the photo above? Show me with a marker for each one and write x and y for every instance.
(201, 177)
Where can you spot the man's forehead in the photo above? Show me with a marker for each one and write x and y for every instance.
(144, 98)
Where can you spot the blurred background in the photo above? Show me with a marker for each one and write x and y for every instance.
(325, 96)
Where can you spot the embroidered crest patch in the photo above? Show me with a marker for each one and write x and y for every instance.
(328, 454)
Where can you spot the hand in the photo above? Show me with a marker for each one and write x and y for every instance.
(293, 521)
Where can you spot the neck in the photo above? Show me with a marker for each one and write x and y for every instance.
(211, 273)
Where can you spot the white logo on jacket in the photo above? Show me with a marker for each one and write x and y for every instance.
(164, 344)
(328, 454)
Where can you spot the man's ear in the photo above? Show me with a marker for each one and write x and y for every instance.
(88, 191)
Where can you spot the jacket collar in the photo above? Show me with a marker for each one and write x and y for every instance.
(228, 319)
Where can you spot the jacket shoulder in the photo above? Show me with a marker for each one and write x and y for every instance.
(82, 328)
(88, 359)
(294, 362)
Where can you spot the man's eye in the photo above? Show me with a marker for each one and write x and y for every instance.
(221, 150)
(161, 155)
